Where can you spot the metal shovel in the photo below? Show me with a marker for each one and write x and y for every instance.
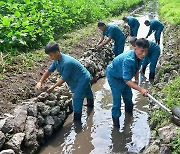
(175, 113)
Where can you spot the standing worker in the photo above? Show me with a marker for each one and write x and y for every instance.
(133, 24)
(151, 57)
(156, 26)
(112, 32)
(72, 72)
(120, 73)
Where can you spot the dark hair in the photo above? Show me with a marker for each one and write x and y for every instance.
(146, 22)
(101, 24)
(51, 47)
(133, 40)
(142, 42)
(124, 18)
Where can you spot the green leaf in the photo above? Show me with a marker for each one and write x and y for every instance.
(6, 21)
(17, 14)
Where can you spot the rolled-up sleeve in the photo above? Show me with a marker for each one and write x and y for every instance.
(127, 69)
(52, 67)
(67, 71)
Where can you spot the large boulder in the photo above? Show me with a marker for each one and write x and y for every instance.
(20, 115)
(2, 139)
(15, 142)
(152, 149)
(49, 120)
(32, 109)
(31, 131)
(48, 130)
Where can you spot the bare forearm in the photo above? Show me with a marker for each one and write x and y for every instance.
(100, 41)
(134, 86)
(59, 83)
(45, 76)
(107, 41)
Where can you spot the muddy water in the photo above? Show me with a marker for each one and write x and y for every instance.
(96, 134)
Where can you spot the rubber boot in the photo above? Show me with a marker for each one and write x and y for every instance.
(143, 69)
(77, 116)
(129, 109)
(158, 42)
(151, 76)
(90, 103)
(116, 122)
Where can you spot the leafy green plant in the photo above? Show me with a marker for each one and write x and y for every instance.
(30, 24)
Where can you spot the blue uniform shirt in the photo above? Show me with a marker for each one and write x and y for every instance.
(114, 32)
(125, 66)
(155, 25)
(153, 48)
(132, 22)
(70, 69)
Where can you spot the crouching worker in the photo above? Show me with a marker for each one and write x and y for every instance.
(73, 73)
(151, 57)
(112, 32)
(120, 73)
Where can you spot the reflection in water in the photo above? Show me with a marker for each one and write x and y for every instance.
(96, 135)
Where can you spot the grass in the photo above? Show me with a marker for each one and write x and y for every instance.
(170, 11)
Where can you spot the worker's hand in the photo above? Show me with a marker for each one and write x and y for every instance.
(38, 86)
(99, 46)
(144, 92)
(50, 89)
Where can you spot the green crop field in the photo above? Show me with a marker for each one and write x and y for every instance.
(30, 24)
(170, 10)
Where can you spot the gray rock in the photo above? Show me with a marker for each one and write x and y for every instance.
(2, 139)
(167, 133)
(7, 125)
(165, 150)
(61, 103)
(40, 106)
(46, 111)
(43, 96)
(55, 110)
(8, 151)
(152, 149)
(32, 109)
(15, 142)
(40, 134)
(58, 122)
(20, 115)
(49, 120)
(64, 98)
(31, 131)
(52, 97)
(50, 103)
(40, 120)
(48, 130)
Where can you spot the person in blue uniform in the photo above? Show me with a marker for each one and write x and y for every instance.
(133, 24)
(120, 73)
(152, 58)
(73, 73)
(112, 32)
(155, 26)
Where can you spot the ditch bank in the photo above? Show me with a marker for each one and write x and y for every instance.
(33, 121)
(165, 134)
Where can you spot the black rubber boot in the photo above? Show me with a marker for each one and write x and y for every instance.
(143, 69)
(116, 122)
(77, 116)
(129, 109)
(90, 103)
(151, 76)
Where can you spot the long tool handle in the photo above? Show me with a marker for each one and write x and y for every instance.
(157, 102)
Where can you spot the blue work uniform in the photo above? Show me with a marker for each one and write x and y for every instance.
(117, 35)
(134, 25)
(152, 56)
(122, 69)
(156, 26)
(76, 76)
